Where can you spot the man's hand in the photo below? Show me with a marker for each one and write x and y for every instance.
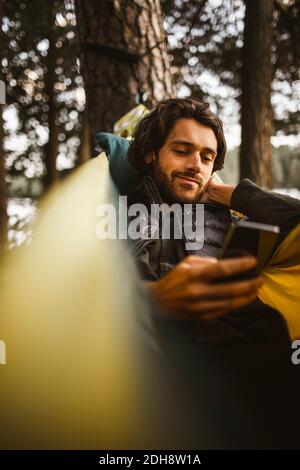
(188, 290)
(218, 192)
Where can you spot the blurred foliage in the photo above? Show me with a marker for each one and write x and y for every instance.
(207, 36)
(285, 167)
(28, 27)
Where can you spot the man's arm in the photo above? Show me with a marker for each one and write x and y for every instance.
(259, 205)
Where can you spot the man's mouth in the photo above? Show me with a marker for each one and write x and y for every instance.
(186, 179)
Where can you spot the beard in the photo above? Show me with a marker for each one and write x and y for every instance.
(172, 192)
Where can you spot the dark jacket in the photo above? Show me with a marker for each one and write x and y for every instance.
(156, 257)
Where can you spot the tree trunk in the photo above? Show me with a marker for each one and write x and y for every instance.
(3, 188)
(51, 148)
(3, 192)
(124, 51)
(84, 151)
(256, 113)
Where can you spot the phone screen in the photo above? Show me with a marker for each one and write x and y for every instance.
(250, 238)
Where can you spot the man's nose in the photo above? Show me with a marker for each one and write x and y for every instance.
(194, 162)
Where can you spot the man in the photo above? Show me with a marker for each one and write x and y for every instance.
(177, 148)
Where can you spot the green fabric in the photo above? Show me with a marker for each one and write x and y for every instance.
(122, 172)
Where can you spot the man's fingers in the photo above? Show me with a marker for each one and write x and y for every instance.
(223, 268)
(206, 306)
(230, 290)
(193, 261)
(188, 290)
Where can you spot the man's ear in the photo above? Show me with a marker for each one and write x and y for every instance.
(150, 157)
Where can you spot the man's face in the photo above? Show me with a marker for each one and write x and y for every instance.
(185, 162)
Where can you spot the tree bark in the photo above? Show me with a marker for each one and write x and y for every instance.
(256, 112)
(51, 148)
(3, 187)
(84, 152)
(3, 192)
(124, 51)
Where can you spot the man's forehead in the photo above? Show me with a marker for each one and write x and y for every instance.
(191, 131)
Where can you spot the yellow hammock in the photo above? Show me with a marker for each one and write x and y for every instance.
(282, 282)
(75, 372)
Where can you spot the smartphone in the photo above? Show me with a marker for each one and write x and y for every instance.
(246, 238)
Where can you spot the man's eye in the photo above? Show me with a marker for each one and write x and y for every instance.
(206, 158)
(182, 152)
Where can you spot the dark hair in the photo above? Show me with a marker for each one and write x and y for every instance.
(152, 131)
